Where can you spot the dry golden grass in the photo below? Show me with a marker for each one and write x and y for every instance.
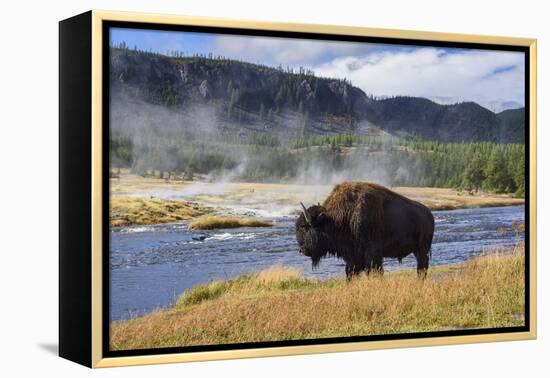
(126, 182)
(450, 199)
(279, 304)
(210, 222)
(130, 210)
(277, 274)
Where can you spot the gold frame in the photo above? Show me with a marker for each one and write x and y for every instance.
(97, 323)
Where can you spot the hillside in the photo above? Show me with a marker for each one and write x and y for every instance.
(238, 98)
(512, 125)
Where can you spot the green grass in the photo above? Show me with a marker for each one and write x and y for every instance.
(280, 304)
(210, 291)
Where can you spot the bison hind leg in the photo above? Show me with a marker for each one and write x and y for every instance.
(422, 263)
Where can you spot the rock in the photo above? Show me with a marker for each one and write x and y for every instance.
(183, 74)
(204, 89)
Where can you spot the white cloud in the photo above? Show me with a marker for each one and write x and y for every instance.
(477, 75)
(284, 51)
(484, 76)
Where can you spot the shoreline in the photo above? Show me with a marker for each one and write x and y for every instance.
(367, 305)
(484, 206)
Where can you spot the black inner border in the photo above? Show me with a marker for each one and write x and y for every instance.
(106, 25)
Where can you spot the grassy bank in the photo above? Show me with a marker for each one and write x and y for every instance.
(130, 211)
(449, 199)
(210, 222)
(280, 304)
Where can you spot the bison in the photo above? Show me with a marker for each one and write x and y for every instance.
(362, 223)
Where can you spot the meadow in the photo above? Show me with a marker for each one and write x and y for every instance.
(280, 304)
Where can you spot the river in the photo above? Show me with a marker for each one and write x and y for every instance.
(150, 266)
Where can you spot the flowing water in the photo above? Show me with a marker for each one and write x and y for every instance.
(150, 266)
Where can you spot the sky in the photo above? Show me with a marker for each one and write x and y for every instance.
(494, 79)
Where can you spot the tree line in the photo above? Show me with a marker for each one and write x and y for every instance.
(259, 157)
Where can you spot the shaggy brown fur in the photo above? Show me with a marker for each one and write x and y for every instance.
(362, 223)
(352, 202)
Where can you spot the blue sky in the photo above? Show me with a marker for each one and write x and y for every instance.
(443, 74)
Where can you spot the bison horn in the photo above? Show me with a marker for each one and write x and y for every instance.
(306, 214)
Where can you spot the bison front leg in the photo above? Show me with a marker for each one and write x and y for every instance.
(374, 258)
(350, 271)
(355, 265)
(354, 269)
(374, 264)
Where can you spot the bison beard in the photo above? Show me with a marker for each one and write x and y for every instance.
(362, 223)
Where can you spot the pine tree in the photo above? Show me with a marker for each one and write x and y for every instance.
(189, 171)
(496, 172)
(473, 175)
(279, 99)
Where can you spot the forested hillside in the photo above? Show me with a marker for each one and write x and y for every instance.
(241, 97)
(221, 119)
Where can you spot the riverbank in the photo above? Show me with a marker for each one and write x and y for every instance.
(211, 222)
(137, 211)
(451, 199)
(132, 195)
(280, 304)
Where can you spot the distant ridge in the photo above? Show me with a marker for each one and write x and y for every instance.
(496, 106)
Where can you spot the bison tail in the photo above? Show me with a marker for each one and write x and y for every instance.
(429, 243)
(426, 244)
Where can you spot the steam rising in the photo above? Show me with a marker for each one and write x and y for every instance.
(160, 137)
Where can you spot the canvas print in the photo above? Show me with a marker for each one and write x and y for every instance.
(284, 189)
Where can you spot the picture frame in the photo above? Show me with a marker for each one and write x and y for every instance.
(84, 119)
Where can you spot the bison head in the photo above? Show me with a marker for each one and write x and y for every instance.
(311, 235)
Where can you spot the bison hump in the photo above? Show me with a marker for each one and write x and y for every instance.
(358, 206)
